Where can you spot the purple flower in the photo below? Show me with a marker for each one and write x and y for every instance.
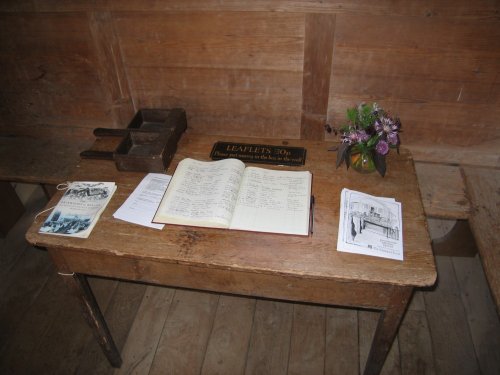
(392, 138)
(363, 136)
(349, 137)
(382, 147)
(387, 124)
(397, 125)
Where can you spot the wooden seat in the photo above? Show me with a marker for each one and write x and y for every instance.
(483, 187)
(467, 193)
(443, 191)
(39, 160)
(12, 208)
(44, 161)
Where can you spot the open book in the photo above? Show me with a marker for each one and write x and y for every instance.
(79, 209)
(225, 194)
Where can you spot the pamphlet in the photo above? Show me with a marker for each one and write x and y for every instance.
(141, 205)
(79, 209)
(370, 225)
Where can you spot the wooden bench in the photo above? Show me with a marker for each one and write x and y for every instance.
(467, 193)
(34, 160)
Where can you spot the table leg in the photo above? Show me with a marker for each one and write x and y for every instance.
(80, 288)
(387, 328)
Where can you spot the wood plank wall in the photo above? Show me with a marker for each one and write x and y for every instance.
(257, 68)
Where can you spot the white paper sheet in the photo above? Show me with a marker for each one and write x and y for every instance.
(141, 205)
(370, 225)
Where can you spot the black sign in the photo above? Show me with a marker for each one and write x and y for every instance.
(266, 154)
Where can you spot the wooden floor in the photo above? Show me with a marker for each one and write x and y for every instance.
(453, 329)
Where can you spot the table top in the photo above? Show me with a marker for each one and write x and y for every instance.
(307, 257)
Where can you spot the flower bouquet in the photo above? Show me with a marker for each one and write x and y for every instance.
(367, 138)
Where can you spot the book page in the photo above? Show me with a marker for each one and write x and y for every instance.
(201, 193)
(273, 201)
(141, 205)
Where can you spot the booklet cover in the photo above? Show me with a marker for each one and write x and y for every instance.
(79, 209)
(370, 225)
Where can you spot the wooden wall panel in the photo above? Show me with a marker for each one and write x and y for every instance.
(439, 75)
(251, 68)
(229, 101)
(110, 67)
(449, 77)
(270, 41)
(478, 9)
(318, 50)
(234, 73)
(49, 74)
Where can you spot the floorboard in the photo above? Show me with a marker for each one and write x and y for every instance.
(452, 329)
(342, 349)
(484, 323)
(29, 335)
(185, 334)
(367, 322)
(230, 334)
(415, 345)
(307, 343)
(119, 314)
(20, 288)
(140, 348)
(270, 341)
(69, 334)
(451, 338)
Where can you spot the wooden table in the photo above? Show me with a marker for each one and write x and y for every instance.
(306, 269)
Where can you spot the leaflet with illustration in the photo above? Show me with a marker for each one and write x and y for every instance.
(79, 209)
(370, 225)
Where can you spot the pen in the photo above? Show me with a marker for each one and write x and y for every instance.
(311, 224)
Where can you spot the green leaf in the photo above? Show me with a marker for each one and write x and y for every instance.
(366, 117)
(361, 147)
(366, 110)
(352, 114)
(372, 141)
(345, 128)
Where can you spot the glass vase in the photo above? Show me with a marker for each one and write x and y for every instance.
(362, 161)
